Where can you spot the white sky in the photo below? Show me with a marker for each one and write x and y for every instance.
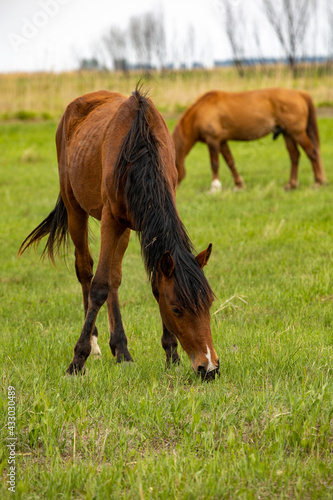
(55, 34)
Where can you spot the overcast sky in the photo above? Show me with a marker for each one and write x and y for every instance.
(56, 34)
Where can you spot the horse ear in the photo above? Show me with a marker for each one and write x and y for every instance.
(167, 264)
(203, 257)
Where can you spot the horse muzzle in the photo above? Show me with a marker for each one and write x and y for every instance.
(205, 375)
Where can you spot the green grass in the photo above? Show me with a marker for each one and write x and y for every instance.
(262, 430)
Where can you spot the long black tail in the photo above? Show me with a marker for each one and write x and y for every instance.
(56, 226)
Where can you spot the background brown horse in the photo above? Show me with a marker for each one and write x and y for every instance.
(219, 117)
(116, 162)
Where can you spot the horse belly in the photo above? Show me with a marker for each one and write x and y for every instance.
(250, 127)
(85, 178)
(85, 173)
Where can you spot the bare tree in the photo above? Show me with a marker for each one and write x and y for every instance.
(290, 20)
(330, 29)
(115, 43)
(147, 34)
(190, 45)
(235, 30)
(141, 31)
(258, 47)
(160, 45)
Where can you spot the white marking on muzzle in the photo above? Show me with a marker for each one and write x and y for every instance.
(95, 347)
(211, 365)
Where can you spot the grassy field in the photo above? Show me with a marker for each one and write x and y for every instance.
(45, 95)
(262, 430)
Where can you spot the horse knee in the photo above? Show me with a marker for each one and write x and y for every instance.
(98, 293)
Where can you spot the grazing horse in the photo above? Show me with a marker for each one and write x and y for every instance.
(219, 117)
(117, 163)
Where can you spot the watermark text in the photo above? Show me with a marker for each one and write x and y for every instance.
(11, 438)
(31, 26)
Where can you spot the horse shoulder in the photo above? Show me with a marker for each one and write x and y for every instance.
(210, 120)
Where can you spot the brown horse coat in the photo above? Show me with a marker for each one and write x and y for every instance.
(218, 117)
(117, 163)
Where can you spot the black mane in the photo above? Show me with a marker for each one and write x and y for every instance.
(141, 170)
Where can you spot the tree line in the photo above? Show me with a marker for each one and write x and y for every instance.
(289, 22)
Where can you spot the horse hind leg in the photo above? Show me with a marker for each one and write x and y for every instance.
(313, 153)
(226, 153)
(118, 339)
(169, 344)
(294, 158)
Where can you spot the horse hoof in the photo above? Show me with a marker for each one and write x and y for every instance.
(290, 186)
(319, 184)
(215, 187)
(125, 363)
(74, 369)
(174, 361)
(124, 356)
(239, 185)
(95, 348)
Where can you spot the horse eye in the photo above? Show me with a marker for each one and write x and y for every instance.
(176, 311)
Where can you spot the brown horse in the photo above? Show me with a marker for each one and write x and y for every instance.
(117, 163)
(219, 117)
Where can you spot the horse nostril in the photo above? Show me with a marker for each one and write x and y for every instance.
(207, 375)
(201, 370)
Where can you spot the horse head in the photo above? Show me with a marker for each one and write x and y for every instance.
(190, 325)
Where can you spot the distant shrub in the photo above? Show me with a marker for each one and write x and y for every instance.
(25, 115)
(325, 104)
(45, 115)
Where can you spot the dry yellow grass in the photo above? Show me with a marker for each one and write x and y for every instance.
(47, 94)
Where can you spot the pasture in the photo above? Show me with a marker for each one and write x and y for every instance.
(263, 429)
(46, 95)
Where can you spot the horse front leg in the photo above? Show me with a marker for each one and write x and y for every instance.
(118, 340)
(78, 229)
(97, 296)
(85, 279)
(111, 232)
(226, 153)
(169, 344)
(294, 155)
(214, 162)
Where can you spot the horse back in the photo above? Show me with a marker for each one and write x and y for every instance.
(222, 116)
(79, 139)
(137, 140)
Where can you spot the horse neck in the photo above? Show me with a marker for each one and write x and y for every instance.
(190, 134)
(191, 288)
(184, 138)
(163, 231)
